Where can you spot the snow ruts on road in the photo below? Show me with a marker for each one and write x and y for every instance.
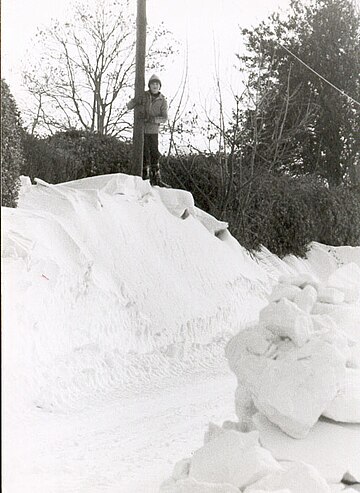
(123, 444)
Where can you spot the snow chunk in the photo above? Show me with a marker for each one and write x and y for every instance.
(291, 386)
(286, 319)
(345, 316)
(177, 201)
(181, 469)
(232, 457)
(297, 478)
(323, 323)
(212, 224)
(306, 299)
(347, 279)
(190, 485)
(300, 280)
(25, 185)
(332, 449)
(274, 491)
(330, 295)
(284, 291)
(346, 405)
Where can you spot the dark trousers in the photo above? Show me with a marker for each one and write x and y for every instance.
(151, 154)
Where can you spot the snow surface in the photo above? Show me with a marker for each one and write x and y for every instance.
(118, 301)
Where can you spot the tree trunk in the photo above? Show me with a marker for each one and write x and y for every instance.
(138, 133)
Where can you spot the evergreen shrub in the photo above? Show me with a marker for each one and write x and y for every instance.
(11, 148)
(75, 154)
(45, 160)
(96, 154)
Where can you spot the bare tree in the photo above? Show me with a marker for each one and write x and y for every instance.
(86, 70)
(246, 147)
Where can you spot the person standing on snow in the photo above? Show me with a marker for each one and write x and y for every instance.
(155, 112)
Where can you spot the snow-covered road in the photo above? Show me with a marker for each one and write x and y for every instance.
(124, 444)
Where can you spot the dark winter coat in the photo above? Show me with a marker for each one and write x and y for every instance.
(155, 111)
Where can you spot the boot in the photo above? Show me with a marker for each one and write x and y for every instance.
(155, 176)
(146, 172)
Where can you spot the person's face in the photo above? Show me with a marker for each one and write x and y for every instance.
(154, 87)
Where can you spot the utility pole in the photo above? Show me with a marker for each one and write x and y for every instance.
(138, 133)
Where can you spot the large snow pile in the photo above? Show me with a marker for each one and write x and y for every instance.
(299, 365)
(112, 290)
(103, 269)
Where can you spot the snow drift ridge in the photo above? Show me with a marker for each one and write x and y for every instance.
(105, 268)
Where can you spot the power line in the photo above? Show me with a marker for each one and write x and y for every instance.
(319, 75)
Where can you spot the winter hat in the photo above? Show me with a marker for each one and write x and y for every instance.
(154, 78)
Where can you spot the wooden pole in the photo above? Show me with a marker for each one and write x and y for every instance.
(138, 133)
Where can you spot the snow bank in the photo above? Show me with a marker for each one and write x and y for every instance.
(234, 461)
(105, 282)
(332, 448)
(298, 364)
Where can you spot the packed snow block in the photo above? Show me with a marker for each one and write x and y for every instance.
(213, 225)
(284, 291)
(232, 457)
(244, 407)
(306, 299)
(273, 491)
(286, 319)
(290, 385)
(346, 317)
(300, 280)
(321, 308)
(321, 260)
(347, 279)
(353, 360)
(345, 407)
(294, 392)
(25, 185)
(330, 295)
(333, 449)
(323, 323)
(213, 432)
(351, 294)
(181, 469)
(176, 201)
(190, 485)
(297, 477)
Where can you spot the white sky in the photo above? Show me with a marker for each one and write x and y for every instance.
(203, 24)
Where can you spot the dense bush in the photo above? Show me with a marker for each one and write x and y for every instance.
(73, 155)
(337, 215)
(197, 174)
(280, 212)
(47, 161)
(96, 154)
(274, 215)
(11, 148)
